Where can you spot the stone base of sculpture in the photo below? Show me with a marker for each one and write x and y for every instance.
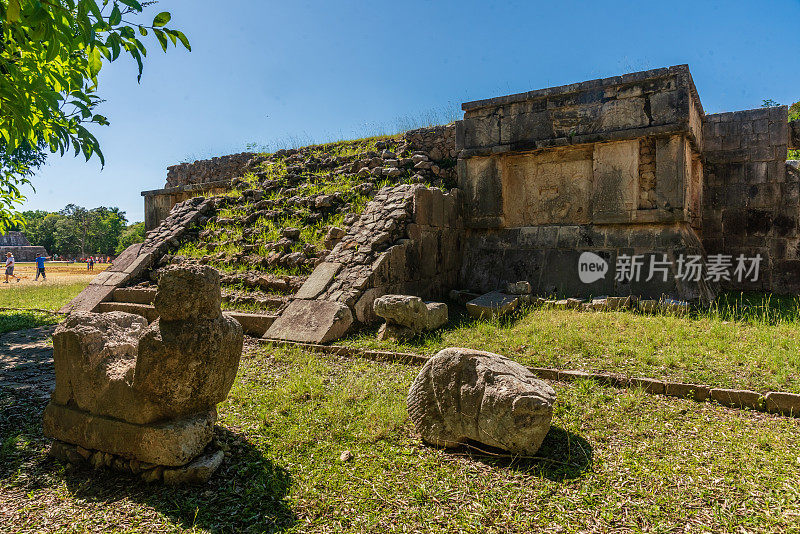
(130, 394)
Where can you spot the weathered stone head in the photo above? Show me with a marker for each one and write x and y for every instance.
(463, 395)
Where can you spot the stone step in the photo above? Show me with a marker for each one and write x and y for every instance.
(135, 295)
(253, 324)
(147, 311)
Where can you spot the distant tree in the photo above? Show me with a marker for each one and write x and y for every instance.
(50, 56)
(131, 235)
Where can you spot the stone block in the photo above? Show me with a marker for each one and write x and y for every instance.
(170, 443)
(141, 263)
(616, 179)
(196, 472)
(480, 181)
(88, 299)
(311, 321)
(664, 108)
(364, 308)
(737, 398)
(670, 173)
(423, 206)
(253, 324)
(570, 375)
(649, 385)
(101, 278)
(783, 403)
(318, 281)
(623, 114)
(411, 312)
(480, 132)
(545, 373)
(686, 391)
(116, 279)
(127, 256)
(492, 304)
(134, 295)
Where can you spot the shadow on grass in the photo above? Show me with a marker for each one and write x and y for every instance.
(247, 494)
(563, 455)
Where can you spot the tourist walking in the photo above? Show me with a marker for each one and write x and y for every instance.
(90, 264)
(40, 267)
(10, 267)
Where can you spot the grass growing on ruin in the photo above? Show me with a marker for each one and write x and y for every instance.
(614, 460)
(744, 342)
(268, 230)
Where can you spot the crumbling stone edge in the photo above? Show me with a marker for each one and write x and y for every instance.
(198, 471)
(776, 402)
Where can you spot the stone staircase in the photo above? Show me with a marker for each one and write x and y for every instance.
(139, 300)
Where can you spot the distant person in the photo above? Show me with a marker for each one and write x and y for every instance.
(10, 267)
(90, 264)
(40, 267)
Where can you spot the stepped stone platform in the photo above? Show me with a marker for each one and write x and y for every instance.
(17, 244)
(618, 187)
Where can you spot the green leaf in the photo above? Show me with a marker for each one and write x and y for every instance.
(142, 31)
(161, 39)
(182, 38)
(161, 19)
(116, 16)
(13, 9)
(95, 61)
(133, 4)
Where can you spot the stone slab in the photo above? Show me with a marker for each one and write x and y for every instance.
(654, 387)
(128, 255)
(784, 403)
(737, 398)
(695, 392)
(148, 311)
(135, 295)
(138, 265)
(311, 321)
(197, 472)
(316, 283)
(492, 304)
(173, 443)
(89, 298)
(253, 324)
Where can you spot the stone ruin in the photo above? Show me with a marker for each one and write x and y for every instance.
(142, 399)
(464, 397)
(531, 188)
(17, 244)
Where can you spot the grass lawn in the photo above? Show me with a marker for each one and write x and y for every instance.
(619, 461)
(744, 342)
(64, 282)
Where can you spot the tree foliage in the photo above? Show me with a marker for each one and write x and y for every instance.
(51, 54)
(131, 235)
(77, 231)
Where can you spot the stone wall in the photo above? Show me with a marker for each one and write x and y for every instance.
(209, 170)
(408, 240)
(159, 202)
(548, 256)
(751, 196)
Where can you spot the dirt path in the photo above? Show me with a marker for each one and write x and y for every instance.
(26, 362)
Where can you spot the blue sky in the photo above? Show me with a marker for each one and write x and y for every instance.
(274, 73)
